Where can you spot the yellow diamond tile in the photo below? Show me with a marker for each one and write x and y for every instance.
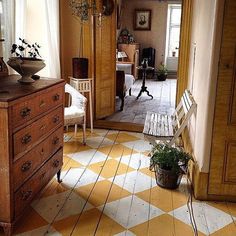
(148, 172)
(30, 221)
(100, 192)
(69, 163)
(232, 208)
(122, 137)
(229, 230)
(74, 146)
(116, 150)
(109, 168)
(87, 225)
(164, 225)
(166, 200)
(53, 188)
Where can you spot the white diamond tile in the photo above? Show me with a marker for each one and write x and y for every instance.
(96, 142)
(45, 230)
(138, 145)
(125, 233)
(131, 211)
(136, 161)
(88, 157)
(208, 218)
(61, 205)
(134, 181)
(77, 177)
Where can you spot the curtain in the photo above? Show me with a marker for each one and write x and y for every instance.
(22, 18)
(13, 25)
(8, 26)
(53, 37)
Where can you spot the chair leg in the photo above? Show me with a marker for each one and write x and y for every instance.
(130, 92)
(75, 130)
(84, 134)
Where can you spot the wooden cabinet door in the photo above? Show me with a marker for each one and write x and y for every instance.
(105, 65)
(222, 179)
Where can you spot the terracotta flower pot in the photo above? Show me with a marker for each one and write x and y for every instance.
(26, 67)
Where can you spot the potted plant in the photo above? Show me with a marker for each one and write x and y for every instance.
(162, 72)
(26, 60)
(169, 164)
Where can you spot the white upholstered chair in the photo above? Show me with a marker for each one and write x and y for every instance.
(75, 114)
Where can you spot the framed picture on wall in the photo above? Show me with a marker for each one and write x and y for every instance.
(142, 19)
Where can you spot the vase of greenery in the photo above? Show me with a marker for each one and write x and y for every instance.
(169, 164)
(162, 72)
(26, 60)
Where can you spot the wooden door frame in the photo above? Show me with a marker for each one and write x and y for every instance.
(183, 68)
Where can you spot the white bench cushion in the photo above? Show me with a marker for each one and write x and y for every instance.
(73, 111)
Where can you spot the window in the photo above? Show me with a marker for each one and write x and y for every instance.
(173, 30)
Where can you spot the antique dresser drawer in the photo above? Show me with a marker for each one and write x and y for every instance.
(25, 138)
(27, 192)
(25, 111)
(30, 162)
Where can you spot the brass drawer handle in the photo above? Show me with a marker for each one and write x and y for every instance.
(25, 112)
(26, 166)
(56, 97)
(26, 139)
(26, 195)
(56, 163)
(55, 140)
(42, 103)
(56, 119)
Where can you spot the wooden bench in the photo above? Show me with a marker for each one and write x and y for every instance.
(169, 127)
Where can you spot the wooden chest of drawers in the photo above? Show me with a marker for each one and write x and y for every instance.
(31, 141)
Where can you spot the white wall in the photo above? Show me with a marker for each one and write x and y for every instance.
(202, 78)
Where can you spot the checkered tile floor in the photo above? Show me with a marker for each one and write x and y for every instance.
(107, 189)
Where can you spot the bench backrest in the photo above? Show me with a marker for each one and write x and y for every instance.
(182, 113)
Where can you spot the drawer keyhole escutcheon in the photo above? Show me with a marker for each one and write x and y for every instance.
(26, 139)
(25, 112)
(26, 166)
(42, 152)
(42, 175)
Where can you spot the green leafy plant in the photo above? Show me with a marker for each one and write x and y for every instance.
(162, 70)
(25, 49)
(169, 158)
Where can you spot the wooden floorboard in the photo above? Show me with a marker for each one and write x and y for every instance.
(135, 110)
(126, 194)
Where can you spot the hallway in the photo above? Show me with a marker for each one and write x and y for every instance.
(164, 94)
(107, 189)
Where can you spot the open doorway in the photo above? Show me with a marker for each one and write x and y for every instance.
(158, 41)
